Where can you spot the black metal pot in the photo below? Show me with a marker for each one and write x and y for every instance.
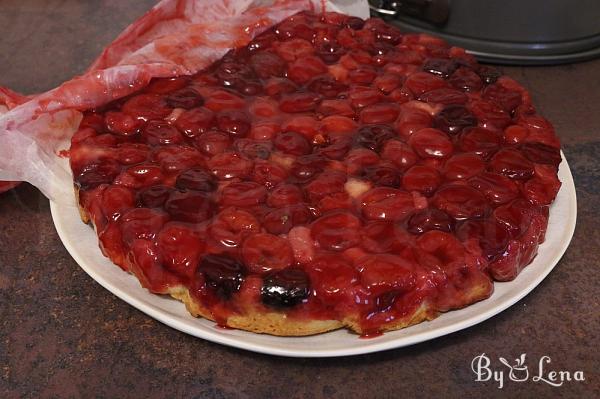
(504, 31)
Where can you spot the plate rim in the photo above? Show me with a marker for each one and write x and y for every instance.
(220, 337)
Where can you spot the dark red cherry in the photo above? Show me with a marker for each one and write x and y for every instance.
(223, 274)
(488, 74)
(308, 166)
(541, 153)
(285, 288)
(102, 172)
(253, 148)
(493, 236)
(374, 136)
(441, 67)
(511, 163)
(382, 175)
(453, 119)
(189, 206)
(198, 179)
(465, 79)
(186, 98)
(355, 23)
(154, 196)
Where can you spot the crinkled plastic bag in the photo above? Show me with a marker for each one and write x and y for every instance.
(176, 37)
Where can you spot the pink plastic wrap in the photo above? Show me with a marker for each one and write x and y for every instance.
(176, 37)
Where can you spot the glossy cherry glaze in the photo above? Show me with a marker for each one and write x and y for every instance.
(332, 169)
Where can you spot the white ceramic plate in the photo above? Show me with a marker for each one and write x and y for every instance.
(81, 242)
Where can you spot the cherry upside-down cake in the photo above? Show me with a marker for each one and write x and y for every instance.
(333, 173)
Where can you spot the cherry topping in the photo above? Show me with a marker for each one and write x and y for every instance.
(330, 52)
(431, 143)
(196, 179)
(154, 196)
(541, 153)
(243, 194)
(267, 64)
(180, 249)
(336, 147)
(422, 82)
(213, 143)
(380, 113)
(93, 175)
(229, 165)
(444, 96)
(308, 166)
(481, 141)
(189, 206)
(186, 98)
(463, 166)
(254, 148)
(292, 143)
(498, 189)
(512, 164)
(508, 100)
(285, 288)
(355, 23)
(493, 236)
(465, 79)
(305, 69)
(383, 237)
(141, 223)
(232, 225)
(383, 273)
(440, 67)
(233, 122)
(116, 200)
(421, 178)
(336, 231)
(195, 121)
(283, 195)
(399, 153)
(382, 175)
(146, 107)
(299, 102)
(327, 87)
(281, 220)
(268, 174)
(459, 201)
(160, 133)
(332, 278)
(430, 219)
(121, 123)
(454, 118)
(265, 252)
(488, 74)
(374, 136)
(386, 203)
(222, 273)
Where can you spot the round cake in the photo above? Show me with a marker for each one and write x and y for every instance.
(333, 173)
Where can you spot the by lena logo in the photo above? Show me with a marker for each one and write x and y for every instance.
(519, 371)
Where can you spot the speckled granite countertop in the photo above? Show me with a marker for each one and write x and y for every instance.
(63, 335)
